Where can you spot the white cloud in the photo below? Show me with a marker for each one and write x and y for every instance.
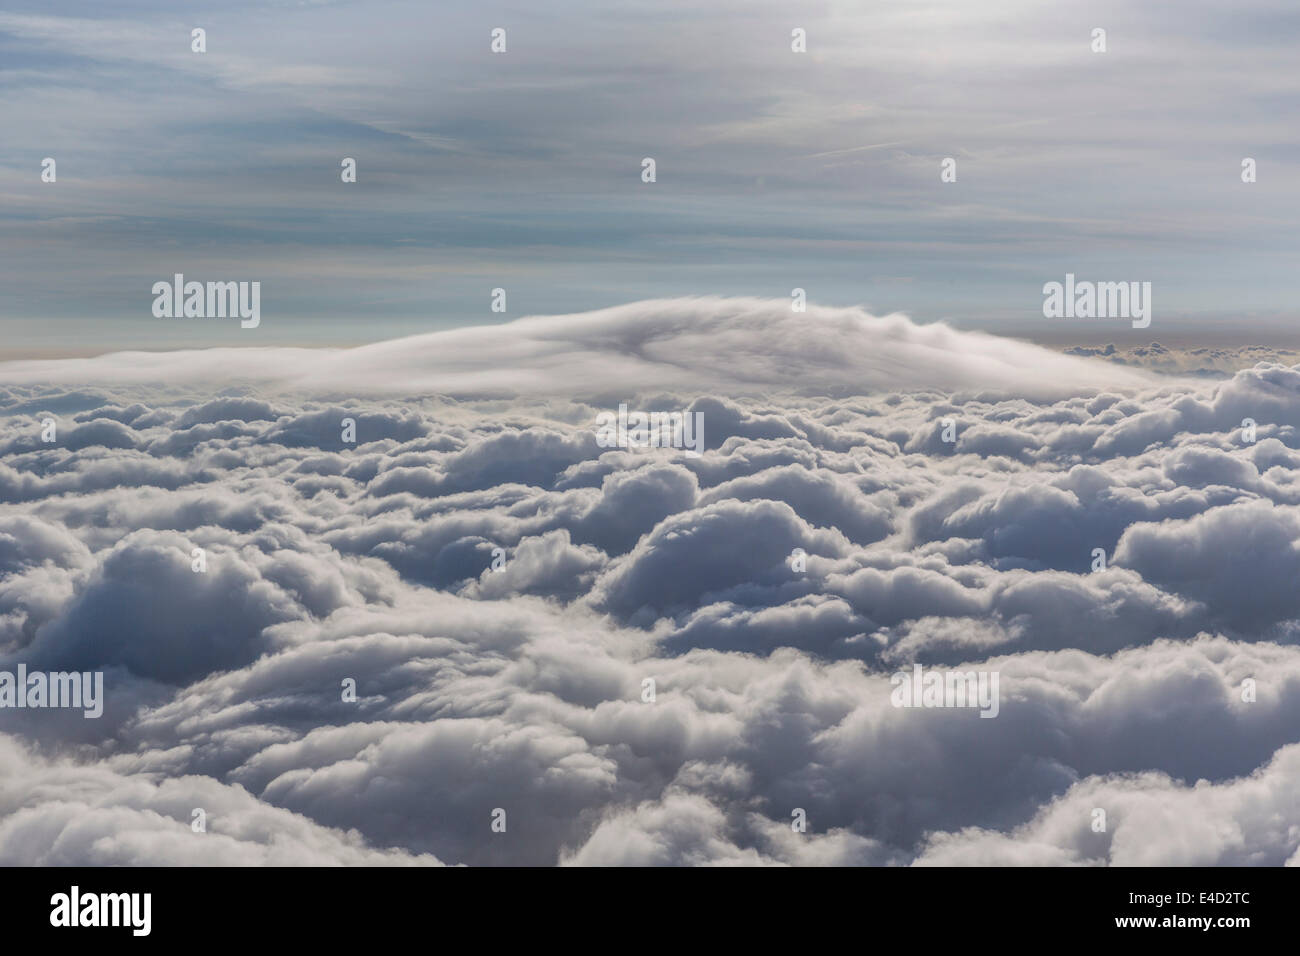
(663, 344)
(523, 689)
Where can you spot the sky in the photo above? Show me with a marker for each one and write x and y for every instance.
(522, 170)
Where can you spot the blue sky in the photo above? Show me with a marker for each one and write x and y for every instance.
(522, 170)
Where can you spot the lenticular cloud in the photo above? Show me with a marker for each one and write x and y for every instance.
(736, 344)
(636, 655)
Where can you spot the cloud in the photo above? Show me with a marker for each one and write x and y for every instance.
(742, 344)
(145, 609)
(644, 656)
(1151, 820)
(55, 813)
(1240, 559)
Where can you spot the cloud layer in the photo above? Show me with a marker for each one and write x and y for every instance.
(694, 343)
(638, 656)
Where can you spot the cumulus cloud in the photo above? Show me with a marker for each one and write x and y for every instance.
(56, 813)
(477, 616)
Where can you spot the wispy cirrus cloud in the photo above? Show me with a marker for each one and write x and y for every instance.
(523, 169)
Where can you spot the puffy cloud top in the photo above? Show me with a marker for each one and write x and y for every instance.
(643, 656)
